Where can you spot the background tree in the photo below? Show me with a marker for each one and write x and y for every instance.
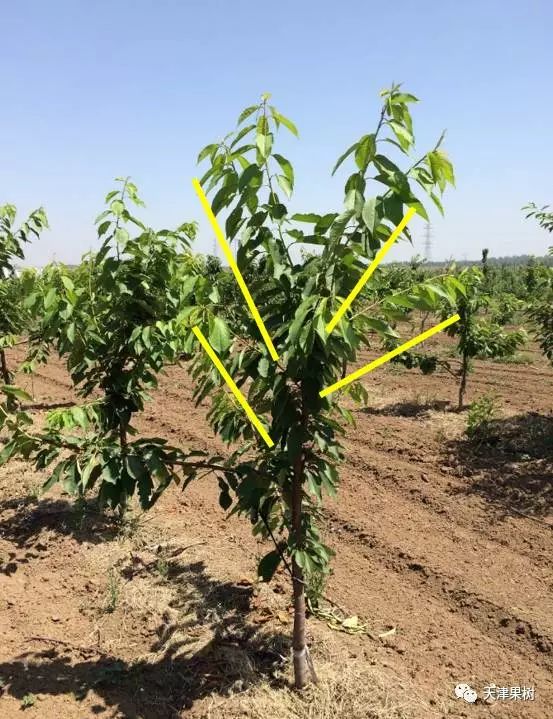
(478, 337)
(540, 308)
(115, 322)
(13, 288)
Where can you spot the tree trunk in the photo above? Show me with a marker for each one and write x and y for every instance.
(299, 645)
(11, 403)
(344, 368)
(4, 368)
(123, 497)
(463, 383)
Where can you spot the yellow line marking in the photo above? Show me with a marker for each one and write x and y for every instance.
(389, 355)
(234, 389)
(370, 269)
(234, 267)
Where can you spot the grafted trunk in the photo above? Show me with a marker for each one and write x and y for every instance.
(298, 639)
(6, 378)
(463, 383)
(303, 666)
(299, 645)
(123, 498)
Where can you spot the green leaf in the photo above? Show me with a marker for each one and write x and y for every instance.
(67, 283)
(263, 367)
(340, 224)
(239, 135)
(288, 124)
(369, 213)
(219, 335)
(50, 298)
(246, 113)
(16, 392)
(419, 209)
(252, 176)
(405, 97)
(79, 417)
(135, 466)
(299, 318)
(310, 217)
(365, 151)
(441, 168)
(233, 222)
(264, 144)
(117, 208)
(285, 184)
(222, 198)
(110, 471)
(268, 565)
(208, 150)
(286, 167)
(354, 201)
(70, 332)
(404, 137)
(343, 157)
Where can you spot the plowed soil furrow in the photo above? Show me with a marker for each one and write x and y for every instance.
(444, 495)
(438, 638)
(389, 518)
(497, 621)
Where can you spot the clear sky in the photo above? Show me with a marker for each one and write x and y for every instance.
(96, 89)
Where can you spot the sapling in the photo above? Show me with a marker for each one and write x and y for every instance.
(280, 489)
(14, 317)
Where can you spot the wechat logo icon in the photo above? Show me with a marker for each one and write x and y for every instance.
(466, 692)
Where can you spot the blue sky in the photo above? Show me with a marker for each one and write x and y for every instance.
(92, 90)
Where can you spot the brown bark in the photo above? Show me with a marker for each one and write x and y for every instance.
(6, 378)
(463, 383)
(344, 368)
(298, 640)
(4, 368)
(123, 498)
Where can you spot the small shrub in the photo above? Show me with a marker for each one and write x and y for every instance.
(480, 416)
(113, 591)
(28, 700)
(315, 588)
(162, 567)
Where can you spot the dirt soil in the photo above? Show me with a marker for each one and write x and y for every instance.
(443, 544)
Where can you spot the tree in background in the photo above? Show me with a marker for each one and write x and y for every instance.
(115, 322)
(540, 308)
(14, 317)
(478, 337)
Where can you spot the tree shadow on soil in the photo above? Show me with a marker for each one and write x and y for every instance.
(512, 467)
(23, 519)
(207, 646)
(408, 409)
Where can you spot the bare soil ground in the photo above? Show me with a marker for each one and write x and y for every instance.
(447, 543)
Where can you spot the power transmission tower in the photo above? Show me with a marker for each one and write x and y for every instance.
(428, 243)
(214, 249)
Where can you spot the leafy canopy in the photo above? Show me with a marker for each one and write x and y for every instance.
(251, 183)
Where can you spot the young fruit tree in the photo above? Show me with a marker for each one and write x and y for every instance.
(280, 488)
(540, 306)
(478, 337)
(115, 322)
(14, 317)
